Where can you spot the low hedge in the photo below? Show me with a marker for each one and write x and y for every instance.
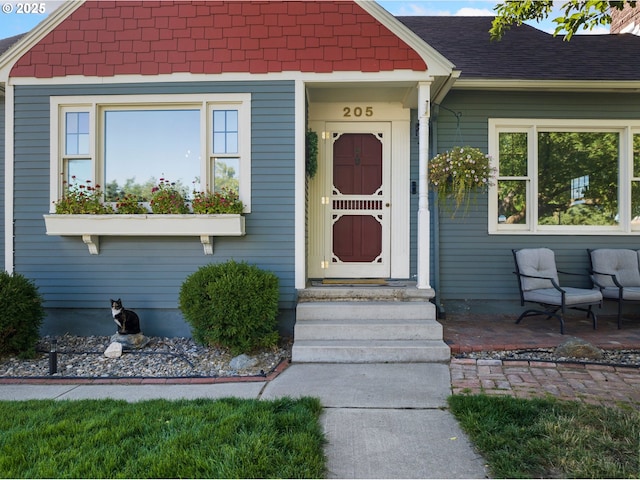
(232, 304)
(21, 315)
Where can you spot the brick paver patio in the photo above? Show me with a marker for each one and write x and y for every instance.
(595, 384)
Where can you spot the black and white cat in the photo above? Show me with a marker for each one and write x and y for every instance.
(128, 321)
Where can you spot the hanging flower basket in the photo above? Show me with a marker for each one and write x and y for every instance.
(458, 172)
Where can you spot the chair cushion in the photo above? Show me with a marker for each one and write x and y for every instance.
(621, 262)
(628, 293)
(573, 296)
(539, 262)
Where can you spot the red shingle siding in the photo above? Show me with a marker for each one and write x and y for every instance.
(151, 37)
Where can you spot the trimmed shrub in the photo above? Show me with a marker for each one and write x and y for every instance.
(21, 315)
(232, 304)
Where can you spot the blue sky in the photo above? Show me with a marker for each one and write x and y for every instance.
(18, 16)
(12, 22)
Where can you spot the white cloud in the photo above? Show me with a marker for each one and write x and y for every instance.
(474, 12)
(438, 8)
(408, 8)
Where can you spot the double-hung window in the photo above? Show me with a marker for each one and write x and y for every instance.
(130, 144)
(76, 152)
(564, 176)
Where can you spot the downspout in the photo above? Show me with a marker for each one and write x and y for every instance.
(433, 130)
(437, 98)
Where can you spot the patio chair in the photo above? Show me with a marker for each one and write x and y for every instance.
(616, 273)
(538, 283)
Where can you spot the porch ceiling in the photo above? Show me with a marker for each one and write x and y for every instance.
(404, 92)
(393, 92)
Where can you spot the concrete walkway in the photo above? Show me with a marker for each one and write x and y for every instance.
(380, 420)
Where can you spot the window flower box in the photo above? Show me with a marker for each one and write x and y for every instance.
(92, 227)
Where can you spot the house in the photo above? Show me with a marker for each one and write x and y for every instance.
(202, 91)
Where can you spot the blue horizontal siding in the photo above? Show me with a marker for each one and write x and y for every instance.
(474, 265)
(147, 272)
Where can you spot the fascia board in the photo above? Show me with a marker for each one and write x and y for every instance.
(627, 86)
(437, 64)
(22, 46)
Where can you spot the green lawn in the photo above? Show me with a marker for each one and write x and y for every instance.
(550, 438)
(227, 438)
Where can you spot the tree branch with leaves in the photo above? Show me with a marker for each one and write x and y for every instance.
(576, 15)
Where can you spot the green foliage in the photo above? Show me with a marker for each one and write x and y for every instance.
(541, 438)
(22, 315)
(129, 204)
(232, 304)
(578, 215)
(223, 201)
(167, 197)
(227, 438)
(141, 191)
(225, 176)
(577, 14)
(81, 198)
(312, 153)
(565, 156)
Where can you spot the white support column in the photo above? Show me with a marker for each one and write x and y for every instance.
(300, 181)
(424, 95)
(8, 177)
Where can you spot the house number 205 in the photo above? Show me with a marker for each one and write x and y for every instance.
(357, 112)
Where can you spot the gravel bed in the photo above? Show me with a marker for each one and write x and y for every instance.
(627, 358)
(162, 357)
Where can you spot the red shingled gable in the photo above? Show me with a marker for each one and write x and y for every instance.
(108, 38)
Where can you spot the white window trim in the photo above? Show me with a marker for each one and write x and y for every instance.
(95, 104)
(625, 128)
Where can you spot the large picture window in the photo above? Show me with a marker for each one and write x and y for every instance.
(143, 146)
(130, 144)
(559, 177)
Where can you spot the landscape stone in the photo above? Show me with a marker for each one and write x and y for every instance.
(578, 348)
(114, 350)
(131, 341)
(242, 361)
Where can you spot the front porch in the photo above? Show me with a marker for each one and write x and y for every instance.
(475, 331)
(392, 321)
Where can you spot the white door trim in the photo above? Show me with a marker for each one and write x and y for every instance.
(380, 267)
(399, 118)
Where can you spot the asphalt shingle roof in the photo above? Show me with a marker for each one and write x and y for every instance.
(526, 52)
(5, 43)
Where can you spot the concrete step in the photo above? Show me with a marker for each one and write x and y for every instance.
(372, 310)
(397, 291)
(370, 351)
(367, 329)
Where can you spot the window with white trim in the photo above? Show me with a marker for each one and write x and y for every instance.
(565, 176)
(128, 144)
(76, 150)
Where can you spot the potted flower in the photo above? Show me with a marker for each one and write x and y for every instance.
(80, 212)
(459, 172)
(81, 198)
(223, 201)
(129, 204)
(166, 197)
